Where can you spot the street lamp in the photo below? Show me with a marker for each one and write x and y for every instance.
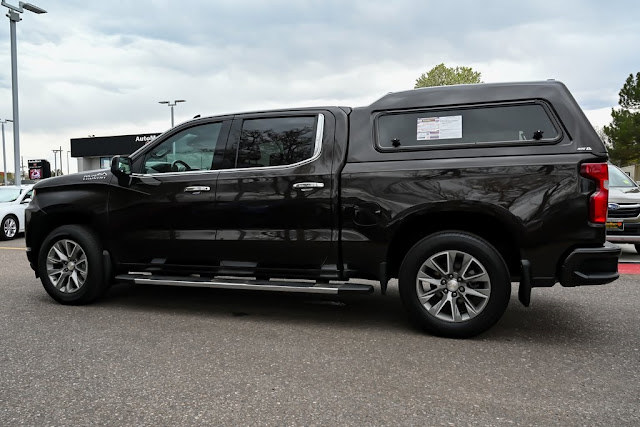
(4, 152)
(55, 162)
(172, 105)
(14, 16)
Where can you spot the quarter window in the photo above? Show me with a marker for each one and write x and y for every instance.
(507, 123)
(275, 141)
(189, 149)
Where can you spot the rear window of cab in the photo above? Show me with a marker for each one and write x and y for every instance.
(511, 124)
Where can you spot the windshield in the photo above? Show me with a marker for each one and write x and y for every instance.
(617, 178)
(9, 194)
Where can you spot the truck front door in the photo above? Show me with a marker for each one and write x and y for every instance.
(163, 216)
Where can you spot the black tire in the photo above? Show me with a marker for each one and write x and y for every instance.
(10, 227)
(94, 283)
(637, 245)
(482, 259)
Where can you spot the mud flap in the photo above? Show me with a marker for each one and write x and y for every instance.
(524, 290)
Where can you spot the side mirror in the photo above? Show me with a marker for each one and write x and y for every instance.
(121, 166)
(26, 201)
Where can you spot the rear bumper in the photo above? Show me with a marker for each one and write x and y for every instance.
(590, 266)
(623, 239)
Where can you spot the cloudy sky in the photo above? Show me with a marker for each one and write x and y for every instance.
(100, 67)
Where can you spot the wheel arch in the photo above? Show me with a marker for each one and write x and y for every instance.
(498, 227)
(13, 215)
(50, 222)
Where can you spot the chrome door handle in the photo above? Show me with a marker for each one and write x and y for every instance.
(196, 189)
(307, 186)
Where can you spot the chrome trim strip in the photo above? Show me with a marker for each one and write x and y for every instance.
(622, 239)
(192, 172)
(625, 206)
(319, 135)
(317, 150)
(226, 285)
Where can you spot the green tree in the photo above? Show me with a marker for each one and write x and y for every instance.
(441, 75)
(623, 133)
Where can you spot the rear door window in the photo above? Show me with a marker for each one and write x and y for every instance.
(276, 141)
(466, 125)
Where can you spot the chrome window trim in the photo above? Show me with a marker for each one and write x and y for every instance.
(319, 135)
(192, 172)
(317, 150)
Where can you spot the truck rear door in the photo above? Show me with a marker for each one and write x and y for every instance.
(276, 197)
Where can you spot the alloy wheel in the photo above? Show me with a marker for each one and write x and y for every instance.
(67, 266)
(453, 286)
(10, 228)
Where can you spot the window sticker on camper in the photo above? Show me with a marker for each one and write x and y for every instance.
(449, 127)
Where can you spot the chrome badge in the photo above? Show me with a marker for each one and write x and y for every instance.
(613, 206)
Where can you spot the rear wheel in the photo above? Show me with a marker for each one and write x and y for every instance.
(9, 227)
(454, 284)
(70, 265)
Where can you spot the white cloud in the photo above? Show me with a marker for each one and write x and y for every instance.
(599, 117)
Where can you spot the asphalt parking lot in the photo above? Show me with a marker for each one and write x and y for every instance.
(150, 355)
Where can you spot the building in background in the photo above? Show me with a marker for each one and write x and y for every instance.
(633, 171)
(96, 152)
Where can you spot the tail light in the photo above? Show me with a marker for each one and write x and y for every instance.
(598, 172)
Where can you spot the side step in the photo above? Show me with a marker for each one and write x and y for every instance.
(255, 285)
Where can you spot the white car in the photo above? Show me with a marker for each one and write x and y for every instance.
(13, 201)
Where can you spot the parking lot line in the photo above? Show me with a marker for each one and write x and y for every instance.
(12, 248)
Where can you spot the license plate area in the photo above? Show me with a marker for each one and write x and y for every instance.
(615, 226)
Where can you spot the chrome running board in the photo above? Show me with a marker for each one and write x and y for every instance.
(254, 285)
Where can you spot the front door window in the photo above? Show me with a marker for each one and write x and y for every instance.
(191, 149)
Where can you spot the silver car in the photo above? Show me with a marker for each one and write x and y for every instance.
(623, 216)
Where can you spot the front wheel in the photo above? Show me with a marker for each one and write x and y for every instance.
(9, 227)
(454, 284)
(70, 265)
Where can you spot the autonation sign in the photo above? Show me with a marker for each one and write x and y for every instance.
(146, 138)
(106, 146)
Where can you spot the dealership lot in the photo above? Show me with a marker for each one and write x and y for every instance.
(148, 355)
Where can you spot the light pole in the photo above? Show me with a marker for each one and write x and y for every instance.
(14, 16)
(68, 161)
(171, 105)
(4, 151)
(55, 162)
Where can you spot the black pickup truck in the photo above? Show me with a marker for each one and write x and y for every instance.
(456, 191)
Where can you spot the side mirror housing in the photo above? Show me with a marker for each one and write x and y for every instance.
(121, 166)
